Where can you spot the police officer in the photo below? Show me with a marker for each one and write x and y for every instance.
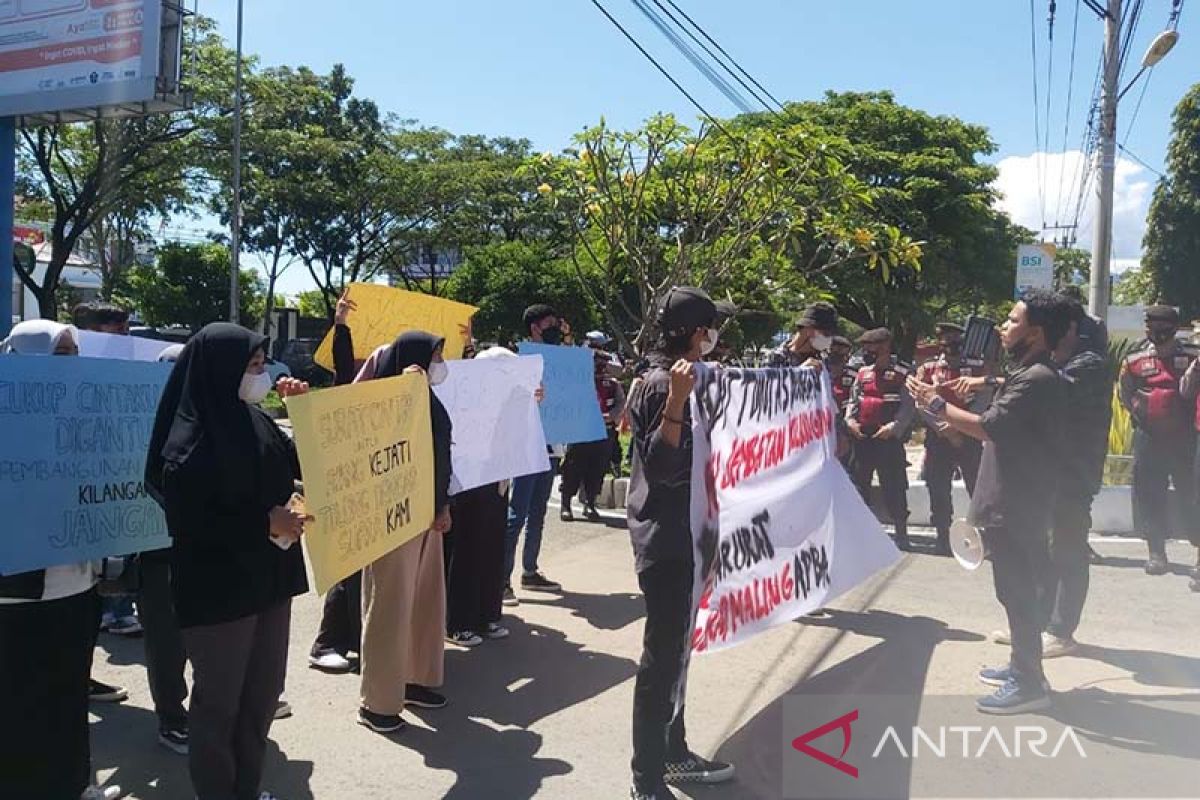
(841, 378)
(879, 416)
(813, 336)
(1163, 439)
(945, 448)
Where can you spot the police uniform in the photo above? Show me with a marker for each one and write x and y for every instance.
(1163, 438)
(946, 451)
(842, 380)
(878, 398)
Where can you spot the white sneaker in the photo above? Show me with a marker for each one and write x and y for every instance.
(1001, 637)
(101, 793)
(332, 661)
(496, 631)
(1057, 647)
(125, 626)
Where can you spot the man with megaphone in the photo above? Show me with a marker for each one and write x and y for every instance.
(1014, 494)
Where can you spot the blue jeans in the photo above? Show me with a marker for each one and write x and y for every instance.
(527, 509)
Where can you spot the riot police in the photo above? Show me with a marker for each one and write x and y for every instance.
(1163, 439)
(879, 416)
(946, 450)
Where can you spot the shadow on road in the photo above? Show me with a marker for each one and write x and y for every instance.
(1139, 724)
(607, 612)
(1148, 667)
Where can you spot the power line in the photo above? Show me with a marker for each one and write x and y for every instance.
(1037, 122)
(1049, 93)
(722, 51)
(1135, 157)
(1062, 164)
(663, 70)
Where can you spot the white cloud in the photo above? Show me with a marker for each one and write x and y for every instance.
(1021, 177)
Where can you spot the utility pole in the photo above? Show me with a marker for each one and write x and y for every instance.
(1098, 291)
(235, 245)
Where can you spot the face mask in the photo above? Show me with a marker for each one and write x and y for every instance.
(254, 388)
(820, 342)
(710, 342)
(869, 357)
(438, 372)
(552, 335)
(952, 348)
(1161, 337)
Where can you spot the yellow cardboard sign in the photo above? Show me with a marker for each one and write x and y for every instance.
(382, 313)
(366, 453)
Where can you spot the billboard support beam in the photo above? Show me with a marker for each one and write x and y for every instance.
(8, 187)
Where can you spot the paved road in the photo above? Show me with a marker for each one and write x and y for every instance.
(546, 712)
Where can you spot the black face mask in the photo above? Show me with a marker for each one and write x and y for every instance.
(552, 335)
(1161, 337)
(952, 348)
(869, 358)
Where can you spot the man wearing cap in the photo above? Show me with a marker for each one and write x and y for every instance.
(1189, 387)
(879, 416)
(841, 378)
(1163, 437)
(659, 514)
(945, 448)
(813, 336)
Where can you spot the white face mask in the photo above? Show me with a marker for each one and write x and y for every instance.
(710, 342)
(254, 388)
(820, 342)
(438, 372)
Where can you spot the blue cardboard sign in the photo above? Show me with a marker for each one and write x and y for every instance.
(570, 412)
(72, 457)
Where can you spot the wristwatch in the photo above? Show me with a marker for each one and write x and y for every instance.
(937, 405)
(991, 381)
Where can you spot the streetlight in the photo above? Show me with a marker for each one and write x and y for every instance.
(235, 245)
(1098, 289)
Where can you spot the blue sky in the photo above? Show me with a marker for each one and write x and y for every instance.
(544, 69)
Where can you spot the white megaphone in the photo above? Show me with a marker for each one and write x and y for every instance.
(966, 542)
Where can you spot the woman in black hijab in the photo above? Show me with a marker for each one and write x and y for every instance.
(404, 592)
(224, 474)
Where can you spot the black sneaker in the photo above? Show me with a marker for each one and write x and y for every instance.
(591, 514)
(175, 739)
(1012, 698)
(1094, 558)
(537, 582)
(283, 710)
(380, 723)
(104, 693)
(423, 697)
(695, 769)
(566, 514)
(661, 793)
(509, 598)
(1157, 564)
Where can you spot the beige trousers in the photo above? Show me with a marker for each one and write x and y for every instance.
(404, 622)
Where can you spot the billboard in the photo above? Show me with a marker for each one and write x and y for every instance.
(1035, 267)
(61, 55)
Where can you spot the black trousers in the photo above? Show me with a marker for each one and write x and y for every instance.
(1020, 567)
(341, 618)
(1158, 459)
(584, 466)
(475, 558)
(885, 457)
(1069, 564)
(658, 732)
(45, 659)
(165, 655)
(941, 458)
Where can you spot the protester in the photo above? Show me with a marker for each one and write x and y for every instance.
(812, 336)
(1164, 442)
(531, 493)
(404, 592)
(586, 462)
(475, 557)
(659, 526)
(49, 619)
(1022, 432)
(947, 450)
(340, 633)
(879, 417)
(225, 476)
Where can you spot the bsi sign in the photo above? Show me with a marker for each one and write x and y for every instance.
(1035, 267)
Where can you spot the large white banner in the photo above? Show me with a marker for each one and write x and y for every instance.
(93, 344)
(497, 426)
(778, 528)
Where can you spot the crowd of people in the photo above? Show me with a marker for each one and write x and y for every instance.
(1030, 444)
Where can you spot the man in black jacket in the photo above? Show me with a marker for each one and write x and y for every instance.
(659, 509)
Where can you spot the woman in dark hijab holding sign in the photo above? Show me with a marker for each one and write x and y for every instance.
(48, 624)
(225, 476)
(404, 592)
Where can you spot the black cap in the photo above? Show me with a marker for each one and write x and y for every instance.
(1162, 314)
(820, 315)
(949, 327)
(686, 308)
(875, 336)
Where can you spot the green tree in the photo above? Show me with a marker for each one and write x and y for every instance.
(505, 278)
(1134, 286)
(1072, 267)
(311, 303)
(1171, 247)
(188, 285)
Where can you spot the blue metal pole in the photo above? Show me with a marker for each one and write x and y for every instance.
(8, 187)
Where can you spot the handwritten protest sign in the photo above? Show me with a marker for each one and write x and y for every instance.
(93, 344)
(497, 427)
(382, 313)
(570, 412)
(366, 453)
(779, 530)
(72, 457)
